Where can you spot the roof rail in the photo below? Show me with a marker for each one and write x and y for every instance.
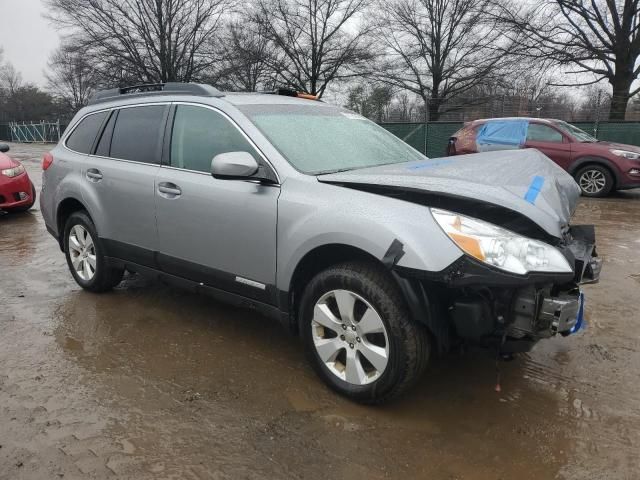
(169, 88)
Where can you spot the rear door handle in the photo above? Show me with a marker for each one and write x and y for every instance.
(94, 175)
(169, 190)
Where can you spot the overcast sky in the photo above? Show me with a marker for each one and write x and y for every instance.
(26, 38)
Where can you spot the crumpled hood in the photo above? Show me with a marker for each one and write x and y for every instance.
(525, 181)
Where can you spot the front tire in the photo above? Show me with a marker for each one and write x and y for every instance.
(358, 334)
(594, 181)
(85, 255)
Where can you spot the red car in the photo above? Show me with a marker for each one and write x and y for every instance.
(17, 193)
(598, 167)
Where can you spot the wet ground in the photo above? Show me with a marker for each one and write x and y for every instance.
(152, 382)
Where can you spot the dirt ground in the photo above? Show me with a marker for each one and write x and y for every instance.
(152, 382)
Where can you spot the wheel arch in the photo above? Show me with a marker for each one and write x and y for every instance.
(422, 310)
(65, 208)
(313, 262)
(588, 160)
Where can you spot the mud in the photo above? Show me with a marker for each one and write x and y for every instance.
(152, 382)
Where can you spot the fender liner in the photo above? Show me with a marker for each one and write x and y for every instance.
(592, 159)
(424, 311)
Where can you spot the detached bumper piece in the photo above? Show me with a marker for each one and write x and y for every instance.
(580, 245)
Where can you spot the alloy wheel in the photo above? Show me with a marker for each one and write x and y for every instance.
(350, 337)
(82, 252)
(592, 181)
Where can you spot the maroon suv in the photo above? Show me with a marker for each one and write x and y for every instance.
(598, 167)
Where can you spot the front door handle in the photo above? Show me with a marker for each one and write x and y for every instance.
(169, 190)
(94, 175)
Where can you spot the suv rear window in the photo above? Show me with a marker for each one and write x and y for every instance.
(82, 138)
(137, 133)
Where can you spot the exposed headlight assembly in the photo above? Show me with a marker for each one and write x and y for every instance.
(626, 154)
(14, 171)
(499, 247)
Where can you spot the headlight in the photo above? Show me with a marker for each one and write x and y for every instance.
(13, 172)
(626, 154)
(499, 247)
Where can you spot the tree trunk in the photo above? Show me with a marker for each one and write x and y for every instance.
(621, 86)
(434, 109)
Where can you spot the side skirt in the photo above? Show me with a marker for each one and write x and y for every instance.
(216, 293)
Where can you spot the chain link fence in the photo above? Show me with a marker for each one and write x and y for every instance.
(31, 132)
(431, 138)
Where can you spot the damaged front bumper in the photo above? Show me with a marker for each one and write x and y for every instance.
(473, 301)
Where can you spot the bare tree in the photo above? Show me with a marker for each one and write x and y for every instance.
(71, 78)
(600, 38)
(319, 41)
(371, 101)
(248, 59)
(10, 79)
(440, 49)
(143, 40)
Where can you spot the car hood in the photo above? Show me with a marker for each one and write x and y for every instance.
(524, 181)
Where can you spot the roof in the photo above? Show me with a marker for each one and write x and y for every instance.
(529, 119)
(170, 89)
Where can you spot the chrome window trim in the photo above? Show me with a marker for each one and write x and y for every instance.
(242, 132)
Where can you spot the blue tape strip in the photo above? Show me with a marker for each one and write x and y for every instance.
(534, 189)
(580, 322)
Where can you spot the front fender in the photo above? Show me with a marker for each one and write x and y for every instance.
(313, 214)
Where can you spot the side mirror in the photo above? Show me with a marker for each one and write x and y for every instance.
(234, 165)
(4, 148)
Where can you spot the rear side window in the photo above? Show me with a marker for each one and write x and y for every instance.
(541, 133)
(137, 133)
(199, 134)
(82, 138)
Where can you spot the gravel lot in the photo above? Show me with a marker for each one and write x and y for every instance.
(152, 382)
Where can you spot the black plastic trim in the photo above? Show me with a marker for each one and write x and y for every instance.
(235, 299)
(187, 270)
(467, 271)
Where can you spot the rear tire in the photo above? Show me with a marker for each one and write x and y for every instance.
(366, 367)
(85, 255)
(594, 181)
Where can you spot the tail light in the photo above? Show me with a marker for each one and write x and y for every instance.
(47, 160)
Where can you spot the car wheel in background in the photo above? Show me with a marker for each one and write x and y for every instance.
(594, 181)
(85, 255)
(358, 334)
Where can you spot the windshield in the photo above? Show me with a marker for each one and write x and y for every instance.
(323, 139)
(579, 135)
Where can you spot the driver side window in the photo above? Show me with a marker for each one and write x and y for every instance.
(199, 134)
(542, 133)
